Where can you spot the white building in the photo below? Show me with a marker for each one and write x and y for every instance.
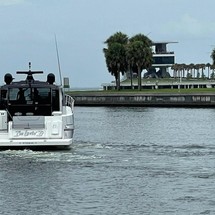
(162, 58)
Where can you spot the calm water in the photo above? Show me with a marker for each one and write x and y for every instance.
(124, 161)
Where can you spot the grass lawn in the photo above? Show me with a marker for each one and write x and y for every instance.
(154, 91)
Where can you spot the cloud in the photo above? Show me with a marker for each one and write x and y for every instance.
(10, 2)
(191, 27)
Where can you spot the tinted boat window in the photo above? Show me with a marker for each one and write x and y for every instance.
(13, 94)
(44, 95)
(55, 100)
(3, 94)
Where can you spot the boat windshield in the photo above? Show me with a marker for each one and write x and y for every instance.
(29, 95)
(31, 100)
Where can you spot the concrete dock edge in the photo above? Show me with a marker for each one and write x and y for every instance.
(147, 100)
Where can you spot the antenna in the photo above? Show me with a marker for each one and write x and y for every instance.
(29, 64)
(29, 73)
(58, 60)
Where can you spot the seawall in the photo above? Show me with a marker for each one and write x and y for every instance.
(147, 100)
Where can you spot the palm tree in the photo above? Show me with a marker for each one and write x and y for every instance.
(189, 71)
(115, 55)
(139, 55)
(191, 66)
(118, 37)
(116, 61)
(202, 66)
(213, 55)
(197, 67)
(208, 65)
(180, 71)
(212, 74)
(141, 37)
(174, 68)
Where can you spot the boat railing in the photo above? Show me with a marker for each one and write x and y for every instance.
(69, 101)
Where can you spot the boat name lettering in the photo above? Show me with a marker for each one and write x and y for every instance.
(29, 133)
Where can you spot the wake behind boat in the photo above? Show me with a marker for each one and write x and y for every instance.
(35, 113)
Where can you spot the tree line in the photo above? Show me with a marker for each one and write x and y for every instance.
(193, 70)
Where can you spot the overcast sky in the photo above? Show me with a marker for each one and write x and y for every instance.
(81, 26)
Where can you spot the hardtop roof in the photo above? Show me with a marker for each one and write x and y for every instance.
(34, 84)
